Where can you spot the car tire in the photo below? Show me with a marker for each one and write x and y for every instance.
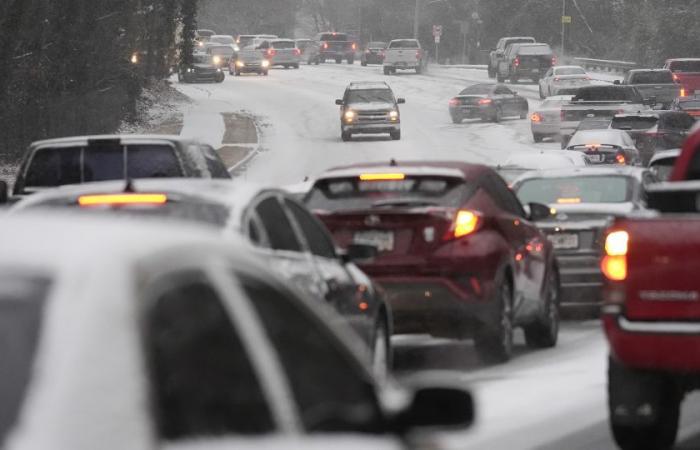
(295, 66)
(456, 118)
(387, 71)
(494, 343)
(659, 432)
(395, 135)
(317, 62)
(537, 137)
(497, 115)
(265, 73)
(544, 332)
(363, 63)
(345, 136)
(338, 60)
(381, 351)
(351, 61)
(230, 72)
(514, 80)
(491, 72)
(237, 73)
(500, 78)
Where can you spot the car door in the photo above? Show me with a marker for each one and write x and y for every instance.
(506, 99)
(278, 241)
(343, 293)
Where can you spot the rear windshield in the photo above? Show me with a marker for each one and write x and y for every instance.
(570, 71)
(685, 66)
(573, 190)
(534, 50)
(52, 167)
(353, 194)
(243, 41)
(284, 44)
(608, 93)
(22, 300)
(404, 43)
(370, 95)
(477, 89)
(334, 37)
(633, 123)
(552, 103)
(652, 77)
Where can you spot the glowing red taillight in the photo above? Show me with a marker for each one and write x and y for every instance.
(620, 159)
(485, 101)
(325, 45)
(516, 61)
(271, 52)
(454, 102)
(354, 46)
(297, 52)
(536, 117)
(554, 60)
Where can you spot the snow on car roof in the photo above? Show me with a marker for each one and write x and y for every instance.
(665, 154)
(367, 85)
(635, 172)
(82, 140)
(604, 136)
(544, 159)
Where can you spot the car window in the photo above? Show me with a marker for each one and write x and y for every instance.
(277, 225)
(369, 96)
(283, 44)
(203, 382)
(51, 167)
(678, 121)
(477, 89)
(152, 161)
(502, 90)
(502, 195)
(652, 77)
(22, 303)
(570, 71)
(332, 393)
(575, 190)
(317, 237)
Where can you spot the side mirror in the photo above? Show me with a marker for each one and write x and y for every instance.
(616, 82)
(538, 212)
(400, 101)
(359, 253)
(339, 102)
(3, 192)
(437, 406)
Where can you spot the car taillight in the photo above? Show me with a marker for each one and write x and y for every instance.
(325, 45)
(516, 61)
(354, 46)
(123, 199)
(465, 223)
(614, 263)
(557, 79)
(682, 94)
(554, 60)
(454, 102)
(271, 52)
(562, 115)
(675, 77)
(485, 101)
(536, 117)
(620, 159)
(297, 52)
(418, 54)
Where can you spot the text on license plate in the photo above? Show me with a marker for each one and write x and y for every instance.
(383, 240)
(594, 157)
(563, 240)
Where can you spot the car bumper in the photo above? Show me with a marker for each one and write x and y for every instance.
(472, 111)
(252, 68)
(370, 128)
(549, 129)
(526, 73)
(373, 59)
(277, 61)
(195, 77)
(402, 65)
(335, 54)
(672, 346)
(581, 280)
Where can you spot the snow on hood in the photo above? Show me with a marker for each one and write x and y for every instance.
(372, 106)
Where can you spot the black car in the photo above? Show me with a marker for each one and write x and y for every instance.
(295, 243)
(84, 159)
(655, 130)
(490, 102)
(202, 68)
(373, 53)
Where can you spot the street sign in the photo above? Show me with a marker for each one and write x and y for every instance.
(437, 39)
(565, 19)
(437, 30)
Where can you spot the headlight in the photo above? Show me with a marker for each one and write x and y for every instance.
(236, 48)
(349, 116)
(190, 70)
(394, 115)
(217, 60)
(240, 64)
(265, 63)
(218, 69)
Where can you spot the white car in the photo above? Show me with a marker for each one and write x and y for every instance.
(545, 121)
(121, 334)
(518, 163)
(662, 161)
(281, 52)
(563, 77)
(606, 147)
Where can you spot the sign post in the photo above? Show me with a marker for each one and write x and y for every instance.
(437, 33)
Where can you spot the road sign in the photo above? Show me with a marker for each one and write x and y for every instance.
(437, 30)
(437, 38)
(565, 19)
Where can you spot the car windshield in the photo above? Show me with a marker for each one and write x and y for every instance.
(686, 66)
(202, 59)
(22, 303)
(404, 43)
(244, 41)
(569, 71)
(653, 77)
(477, 89)
(370, 96)
(575, 189)
(634, 122)
(352, 193)
(280, 45)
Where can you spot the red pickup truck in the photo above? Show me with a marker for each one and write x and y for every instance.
(651, 310)
(686, 72)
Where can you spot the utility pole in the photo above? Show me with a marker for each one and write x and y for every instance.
(563, 26)
(416, 19)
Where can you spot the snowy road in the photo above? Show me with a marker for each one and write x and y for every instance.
(553, 399)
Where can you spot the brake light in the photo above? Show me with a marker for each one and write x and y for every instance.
(536, 117)
(454, 102)
(516, 61)
(674, 76)
(382, 176)
(325, 45)
(682, 92)
(614, 263)
(271, 52)
(485, 101)
(568, 200)
(465, 223)
(122, 199)
(418, 54)
(354, 46)
(557, 79)
(554, 60)
(297, 52)
(620, 159)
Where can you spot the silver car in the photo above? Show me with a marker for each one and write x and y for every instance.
(606, 147)
(281, 52)
(546, 120)
(563, 77)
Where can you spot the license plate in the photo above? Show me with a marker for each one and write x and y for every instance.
(383, 240)
(563, 240)
(534, 70)
(595, 158)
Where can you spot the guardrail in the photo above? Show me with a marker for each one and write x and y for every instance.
(604, 65)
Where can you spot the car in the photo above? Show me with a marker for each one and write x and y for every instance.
(204, 33)
(83, 159)
(606, 147)
(403, 54)
(369, 108)
(518, 163)
(177, 339)
(489, 102)
(496, 55)
(309, 51)
(688, 104)
(687, 166)
(655, 85)
(246, 40)
(525, 60)
(282, 52)
(545, 121)
(336, 46)
(588, 123)
(585, 201)
(458, 255)
(249, 61)
(294, 243)
(204, 67)
(654, 130)
(686, 72)
(661, 163)
(221, 54)
(373, 53)
(562, 77)
(225, 39)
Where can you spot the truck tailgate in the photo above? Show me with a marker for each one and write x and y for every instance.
(663, 280)
(401, 56)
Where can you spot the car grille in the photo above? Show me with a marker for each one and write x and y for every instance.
(372, 116)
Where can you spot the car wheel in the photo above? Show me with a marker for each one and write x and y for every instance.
(492, 73)
(543, 333)
(494, 342)
(457, 118)
(497, 115)
(351, 60)
(387, 71)
(265, 73)
(230, 72)
(634, 389)
(295, 66)
(238, 73)
(395, 135)
(345, 136)
(500, 78)
(514, 80)
(419, 70)
(363, 63)
(338, 60)
(381, 352)
(537, 137)
(318, 61)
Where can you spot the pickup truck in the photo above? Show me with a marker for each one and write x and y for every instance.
(525, 61)
(496, 55)
(651, 311)
(337, 46)
(686, 72)
(655, 85)
(603, 101)
(405, 54)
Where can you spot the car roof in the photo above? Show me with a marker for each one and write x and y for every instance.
(282, 40)
(126, 138)
(649, 70)
(544, 159)
(456, 169)
(356, 85)
(630, 171)
(683, 59)
(568, 67)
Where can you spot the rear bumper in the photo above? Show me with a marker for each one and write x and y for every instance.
(671, 346)
(281, 60)
(333, 54)
(472, 111)
(408, 65)
(528, 72)
(549, 129)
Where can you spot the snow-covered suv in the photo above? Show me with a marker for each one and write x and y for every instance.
(369, 108)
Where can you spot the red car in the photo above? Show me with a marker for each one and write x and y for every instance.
(457, 254)
(686, 72)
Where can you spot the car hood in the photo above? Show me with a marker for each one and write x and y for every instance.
(372, 106)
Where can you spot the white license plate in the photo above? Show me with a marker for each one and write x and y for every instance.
(383, 240)
(564, 240)
(595, 158)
